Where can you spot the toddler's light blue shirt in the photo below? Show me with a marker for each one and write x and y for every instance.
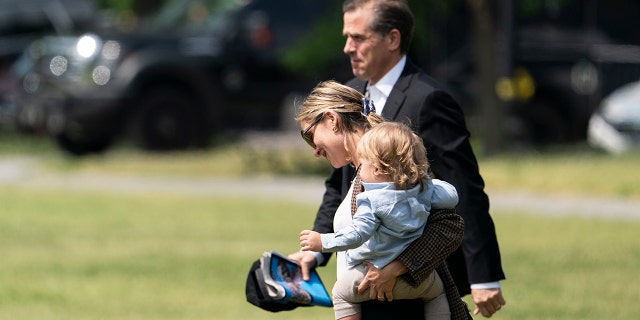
(388, 220)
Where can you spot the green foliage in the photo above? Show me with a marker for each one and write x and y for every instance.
(317, 51)
(118, 5)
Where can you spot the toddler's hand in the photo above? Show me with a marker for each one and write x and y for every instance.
(310, 241)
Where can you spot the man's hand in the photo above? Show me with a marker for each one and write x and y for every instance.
(307, 261)
(310, 241)
(381, 281)
(487, 301)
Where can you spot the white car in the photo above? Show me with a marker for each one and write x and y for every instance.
(615, 126)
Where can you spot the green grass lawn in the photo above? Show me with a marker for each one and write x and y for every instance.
(119, 256)
(69, 254)
(157, 256)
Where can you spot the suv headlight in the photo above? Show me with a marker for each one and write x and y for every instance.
(87, 46)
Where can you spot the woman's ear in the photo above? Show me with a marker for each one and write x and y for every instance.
(332, 117)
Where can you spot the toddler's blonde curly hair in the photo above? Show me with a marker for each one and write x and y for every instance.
(397, 152)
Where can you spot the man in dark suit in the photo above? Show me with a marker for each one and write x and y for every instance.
(378, 34)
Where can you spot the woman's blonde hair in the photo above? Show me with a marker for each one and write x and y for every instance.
(397, 152)
(345, 101)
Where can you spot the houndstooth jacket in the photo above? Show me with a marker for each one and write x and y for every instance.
(442, 235)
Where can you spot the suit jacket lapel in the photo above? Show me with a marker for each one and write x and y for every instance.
(358, 84)
(398, 93)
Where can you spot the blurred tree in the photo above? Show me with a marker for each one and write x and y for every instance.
(484, 44)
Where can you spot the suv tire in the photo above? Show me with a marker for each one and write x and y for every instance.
(168, 118)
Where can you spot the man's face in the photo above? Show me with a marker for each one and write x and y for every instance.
(367, 50)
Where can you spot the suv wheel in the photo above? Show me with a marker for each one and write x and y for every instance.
(79, 147)
(167, 119)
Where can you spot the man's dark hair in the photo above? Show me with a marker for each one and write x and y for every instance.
(389, 15)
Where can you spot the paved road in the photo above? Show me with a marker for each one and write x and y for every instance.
(22, 172)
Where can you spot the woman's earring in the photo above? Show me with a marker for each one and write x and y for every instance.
(335, 129)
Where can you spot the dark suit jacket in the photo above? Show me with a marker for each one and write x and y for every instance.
(419, 101)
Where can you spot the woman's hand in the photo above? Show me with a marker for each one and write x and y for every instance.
(306, 260)
(310, 241)
(381, 281)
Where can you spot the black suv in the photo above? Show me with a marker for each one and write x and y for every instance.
(205, 67)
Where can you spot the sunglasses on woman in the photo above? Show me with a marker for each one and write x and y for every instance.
(306, 136)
